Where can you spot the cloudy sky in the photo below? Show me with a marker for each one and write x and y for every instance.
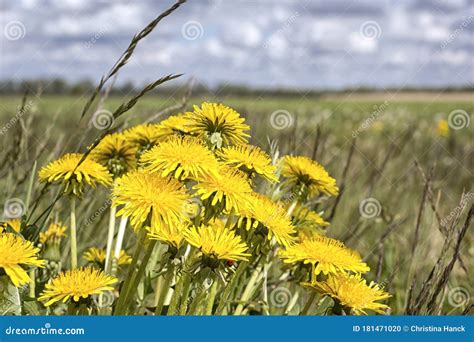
(305, 44)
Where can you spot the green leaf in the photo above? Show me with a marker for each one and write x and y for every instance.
(9, 297)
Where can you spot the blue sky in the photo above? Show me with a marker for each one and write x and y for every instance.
(303, 44)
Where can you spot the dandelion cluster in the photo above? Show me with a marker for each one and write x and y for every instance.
(205, 207)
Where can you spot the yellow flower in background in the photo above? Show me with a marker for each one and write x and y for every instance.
(442, 129)
(217, 242)
(270, 215)
(174, 125)
(182, 158)
(326, 255)
(217, 121)
(172, 235)
(140, 192)
(14, 224)
(76, 284)
(352, 292)
(54, 233)
(249, 159)
(65, 170)
(229, 190)
(116, 153)
(143, 136)
(16, 252)
(98, 255)
(309, 177)
(377, 126)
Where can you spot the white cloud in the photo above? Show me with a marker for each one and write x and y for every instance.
(269, 42)
(361, 45)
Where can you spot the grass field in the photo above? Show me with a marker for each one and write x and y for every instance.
(369, 144)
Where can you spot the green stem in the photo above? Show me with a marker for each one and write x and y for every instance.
(184, 279)
(83, 310)
(248, 290)
(186, 288)
(211, 298)
(73, 233)
(308, 304)
(30, 186)
(32, 283)
(110, 239)
(131, 269)
(164, 289)
(176, 296)
(118, 244)
(230, 287)
(195, 303)
(140, 273)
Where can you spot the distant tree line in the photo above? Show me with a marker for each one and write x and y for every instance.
(59, 86)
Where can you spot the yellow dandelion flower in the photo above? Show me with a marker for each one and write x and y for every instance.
(272, 216)
(15, 252)
(308, 177)
(76, 284)
(172, 235)
(353, 293)
(326, 255)
(54, 233)
(66, 171)
(98, 255)
(175, 124)
(217, 242)
(116, 153)
(141, 192)
(249, 159)
(216, 118)
(144, 136)
(14, 224)
(181, 157)
(229, 190)
(442, 129)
